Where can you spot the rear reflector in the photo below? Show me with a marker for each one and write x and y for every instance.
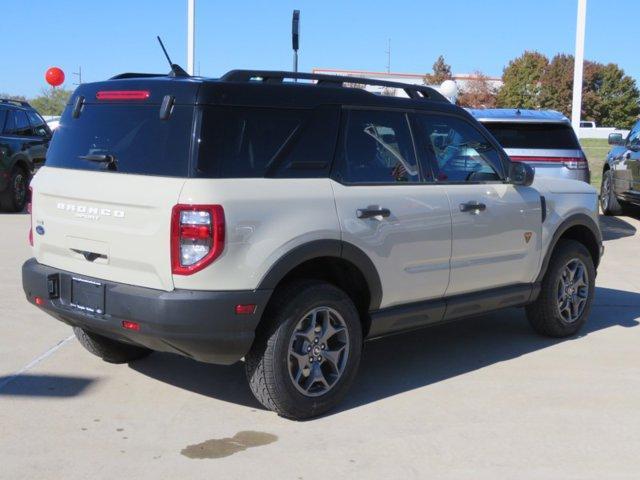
(39, 300)
(130, 325)
(248, 309)
(123, 94)
(572, 163)
(197, 237)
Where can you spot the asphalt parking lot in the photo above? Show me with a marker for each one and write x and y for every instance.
(482, 398)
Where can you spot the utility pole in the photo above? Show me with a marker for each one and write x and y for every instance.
(78, 74)
(191, 36)
(576, 106)
(388, 52)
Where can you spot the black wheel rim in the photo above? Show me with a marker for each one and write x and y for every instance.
(318, 351)
(572, 290)
(19, 189)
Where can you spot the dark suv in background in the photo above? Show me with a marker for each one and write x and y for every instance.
(621, 173)
(24, 138)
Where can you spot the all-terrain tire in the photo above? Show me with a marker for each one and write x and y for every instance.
(545, 314)
(15, 197)
(267, 364)
(109, 350)
(608, 201)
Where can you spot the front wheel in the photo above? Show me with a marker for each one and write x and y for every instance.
(566, 294)
(608, 200)
(306, 357)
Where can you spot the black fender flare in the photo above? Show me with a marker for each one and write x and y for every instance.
(23, 161)
(578, 219)
(326, 248)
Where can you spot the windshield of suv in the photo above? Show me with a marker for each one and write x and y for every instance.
(533, 135)
(132, 135)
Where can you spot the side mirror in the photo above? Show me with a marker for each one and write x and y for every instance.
(616, 139)
(521, 173)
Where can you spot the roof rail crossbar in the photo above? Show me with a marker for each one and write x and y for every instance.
(268, 76)
(22, 103)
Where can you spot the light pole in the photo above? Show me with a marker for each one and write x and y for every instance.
(576, 106)
(191, 36)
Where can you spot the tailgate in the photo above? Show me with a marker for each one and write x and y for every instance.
(111, 227)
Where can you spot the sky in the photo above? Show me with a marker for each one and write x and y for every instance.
(110, 37)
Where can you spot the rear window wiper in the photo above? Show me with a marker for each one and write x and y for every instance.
(110, 160)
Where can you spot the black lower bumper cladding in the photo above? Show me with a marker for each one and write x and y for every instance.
(202, 325)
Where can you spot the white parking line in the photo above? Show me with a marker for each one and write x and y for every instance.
(34, 362)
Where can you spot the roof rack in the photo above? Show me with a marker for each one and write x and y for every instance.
(22, 103)
(137, 75)
(267, 76)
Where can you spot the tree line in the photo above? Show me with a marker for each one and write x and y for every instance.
(51, 101)
(609, 96)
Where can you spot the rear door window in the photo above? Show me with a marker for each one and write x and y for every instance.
(256, 142)
(376, 147)
(534, 135)
(133, 135)
(22, 126)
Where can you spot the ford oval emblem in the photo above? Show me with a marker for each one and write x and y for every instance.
(40, 230)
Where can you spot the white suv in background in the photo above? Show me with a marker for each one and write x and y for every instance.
(542, 138)
(287, 222)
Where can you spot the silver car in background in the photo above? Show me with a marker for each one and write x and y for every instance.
(542, 138)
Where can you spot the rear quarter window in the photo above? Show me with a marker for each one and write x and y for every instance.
(533, 135)
(256, 142)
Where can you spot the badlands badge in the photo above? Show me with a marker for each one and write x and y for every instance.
(527, 236)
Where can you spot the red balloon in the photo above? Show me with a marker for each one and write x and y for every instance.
(54, 76)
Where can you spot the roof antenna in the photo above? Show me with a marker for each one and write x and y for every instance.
(176, 70)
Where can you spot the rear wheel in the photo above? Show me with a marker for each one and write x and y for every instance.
(566, 294)
(608, 200)
(109, 350)
(306, 357)
(15, 197)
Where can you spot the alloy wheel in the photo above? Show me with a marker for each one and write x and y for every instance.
(572, 290)
(318, 351)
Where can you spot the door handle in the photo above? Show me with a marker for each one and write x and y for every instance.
(472, 207)
(370, 212)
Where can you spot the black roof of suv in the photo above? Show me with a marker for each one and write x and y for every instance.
(24, 138)
(151, 123)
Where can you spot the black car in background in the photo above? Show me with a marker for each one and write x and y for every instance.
(621, 175)
(24, 138)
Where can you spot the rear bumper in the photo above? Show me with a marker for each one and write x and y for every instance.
(201, 325)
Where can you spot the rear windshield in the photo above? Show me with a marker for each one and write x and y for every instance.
(533, 135)
(133, 135)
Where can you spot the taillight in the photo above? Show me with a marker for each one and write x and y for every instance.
(123, 95)
(572, 163)
(197, 237)
(30, 210)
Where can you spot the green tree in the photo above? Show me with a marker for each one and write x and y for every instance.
(556, 84)
(609, 97)
(618, 98)
(521, 81)
(441, 72)
(52, 101)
